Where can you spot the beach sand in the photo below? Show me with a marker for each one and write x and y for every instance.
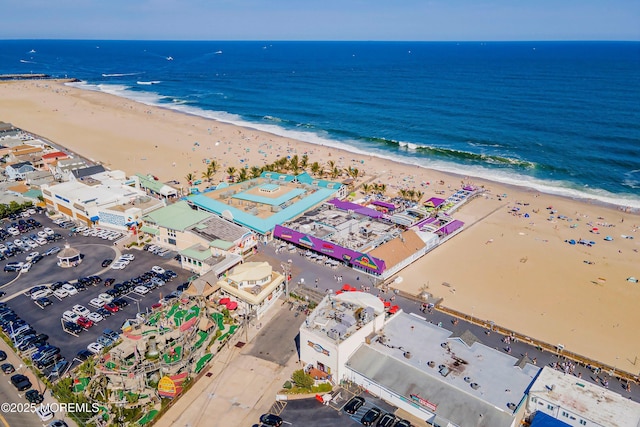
(504, 267)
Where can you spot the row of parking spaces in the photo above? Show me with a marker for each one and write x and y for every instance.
(367, 413)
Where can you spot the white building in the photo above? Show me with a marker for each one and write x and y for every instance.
(445, 379)
(336, 328)
(580, 403)
(104, 199)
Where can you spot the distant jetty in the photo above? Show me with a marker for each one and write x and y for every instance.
(24, 76)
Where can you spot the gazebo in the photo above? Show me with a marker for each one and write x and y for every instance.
(69, 257)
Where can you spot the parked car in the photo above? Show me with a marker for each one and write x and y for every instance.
(111, 307)
(370, 416)
(3, 355)
(95, 348)
(97, 302)
(107, 262)
(34, 396)
(70, 316)
(271, 420)
(44, 413)
(72, 327)
(7, 368)
(43, 302)
(84, 322)
(83, 355)
(157, 269)
(71, 290)
(20, 382)
(95, 317)
(386, 420)
(80, 310)
(353, 405)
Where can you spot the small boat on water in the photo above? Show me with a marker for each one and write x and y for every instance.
(169, 58)
(32, 51)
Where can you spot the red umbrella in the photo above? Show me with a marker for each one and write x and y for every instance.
(338, 292)
(352, 289)
(346, 287)
(394, 309)
(387, 304)
(224, 301)
(232, 305)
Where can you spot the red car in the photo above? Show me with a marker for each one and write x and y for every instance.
(84, 322)
(111, 307)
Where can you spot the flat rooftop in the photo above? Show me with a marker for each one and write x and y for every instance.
(339, 316)
(348, 229)
(261, 203)
(452, 372)
(594, 403)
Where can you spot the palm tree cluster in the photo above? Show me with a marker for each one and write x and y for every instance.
(411, 194)
(374, 188)
(294, 164)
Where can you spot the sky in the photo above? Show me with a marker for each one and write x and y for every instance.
(428, 20)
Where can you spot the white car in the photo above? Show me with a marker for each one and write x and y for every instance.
(42, 234)
(44, 413)
(118, 265)
(13, 231)
(32, 255)
(128, 257)
(18, 242)
(32, 244)
(95, 348)
(142, 290)
(41, 294)
(48, 231)
(158, 270)
(70, 316)
(97, 303)
(41, 241)
(105, 297)
(60, 293)
(80, 310)
(69, 288)
(95, 317)
(25, 267)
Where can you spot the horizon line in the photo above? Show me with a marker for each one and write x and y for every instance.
(332, 41)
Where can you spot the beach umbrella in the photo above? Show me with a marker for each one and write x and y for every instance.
(387, 304)
(232, 305)
(346, 287)
(608, 238)
(224, 301)
(632, 279)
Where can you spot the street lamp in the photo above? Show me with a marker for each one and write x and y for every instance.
(286, 269)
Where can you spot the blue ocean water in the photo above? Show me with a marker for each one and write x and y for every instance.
(562, 117)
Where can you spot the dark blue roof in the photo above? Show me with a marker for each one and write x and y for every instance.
(543, 420)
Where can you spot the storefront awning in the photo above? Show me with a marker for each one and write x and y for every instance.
(94, 218)
(150, 230)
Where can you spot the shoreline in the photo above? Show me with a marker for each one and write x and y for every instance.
(627, 204)
(513, 269)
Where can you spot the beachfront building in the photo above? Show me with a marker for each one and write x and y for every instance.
(358, 236)
(154, 187)
(104, 199)
(578, 403)
(261, 203)
(255, 286)
(446, 379)
(61, 169)
(18, 171)
(202, 239)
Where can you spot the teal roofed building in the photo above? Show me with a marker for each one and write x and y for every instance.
(201, 238)
(260, 204)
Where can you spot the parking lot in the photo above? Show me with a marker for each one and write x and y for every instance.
(95, 250)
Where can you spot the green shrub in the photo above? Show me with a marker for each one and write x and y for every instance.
(287, 385)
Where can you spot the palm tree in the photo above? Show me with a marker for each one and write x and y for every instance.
(335, 172)
(213, 165)
(365, 188)
(255, 171)
(189, 178)
(208, 174)
(294, 163)
(243, 175)
(403, 193)
(282, 164)
(382, 188)
(231, 171)
(316, 168)
(411, 194)
(331, 165)
(305, 161)
(419, 195)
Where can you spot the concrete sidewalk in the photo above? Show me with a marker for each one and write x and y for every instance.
(240, 389)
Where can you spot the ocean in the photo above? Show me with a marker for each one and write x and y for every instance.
(561, 117)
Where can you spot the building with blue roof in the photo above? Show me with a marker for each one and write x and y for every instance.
(262, 203)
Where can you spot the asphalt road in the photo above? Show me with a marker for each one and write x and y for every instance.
(279, 340)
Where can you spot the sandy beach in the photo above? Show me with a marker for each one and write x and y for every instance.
(508, 267)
